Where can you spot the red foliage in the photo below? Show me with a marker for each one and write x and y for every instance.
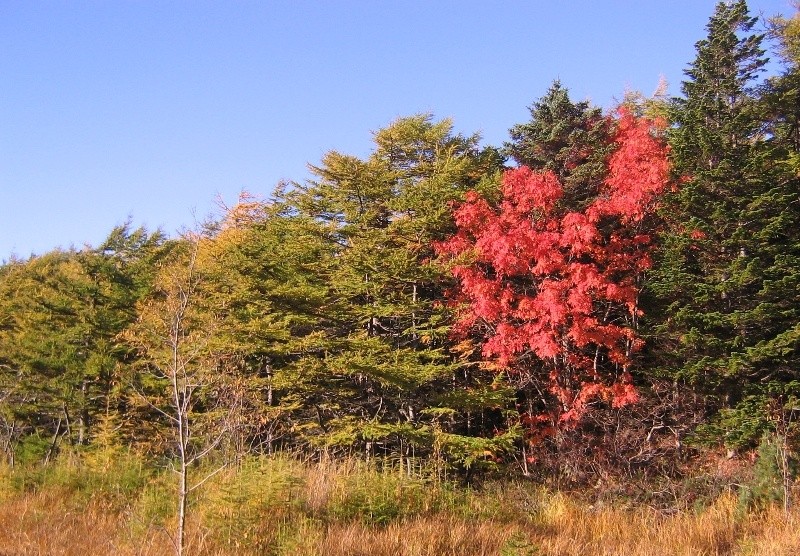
(552, 293)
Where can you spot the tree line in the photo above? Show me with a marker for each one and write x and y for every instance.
(604, 293)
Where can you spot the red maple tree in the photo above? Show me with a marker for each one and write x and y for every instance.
(551, 293)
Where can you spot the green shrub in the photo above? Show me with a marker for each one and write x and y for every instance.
(378, 497)
(250, 501)
(155, 503)
(766, 485)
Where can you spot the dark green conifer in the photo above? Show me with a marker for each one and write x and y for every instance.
(568, 138)
(726, 281)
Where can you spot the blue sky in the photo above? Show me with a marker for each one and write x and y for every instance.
(151, 110)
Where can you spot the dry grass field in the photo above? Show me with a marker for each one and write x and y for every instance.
(283, 507)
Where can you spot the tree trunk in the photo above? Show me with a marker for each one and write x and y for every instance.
(183, 494)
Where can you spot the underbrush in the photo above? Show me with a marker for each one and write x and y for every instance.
(284, 506)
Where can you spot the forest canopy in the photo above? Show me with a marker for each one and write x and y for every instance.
(607, 290)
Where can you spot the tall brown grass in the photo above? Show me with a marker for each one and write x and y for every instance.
(281, 506)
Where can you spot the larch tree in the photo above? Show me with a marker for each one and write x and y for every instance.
(182, 380)
(62, 314)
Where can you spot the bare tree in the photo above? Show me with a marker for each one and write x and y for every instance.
(174, 338)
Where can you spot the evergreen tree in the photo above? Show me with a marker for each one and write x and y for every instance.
(717, 118)
(727, 275)
(570, 139)
(397, 383)
(265, 272)
(62, 314)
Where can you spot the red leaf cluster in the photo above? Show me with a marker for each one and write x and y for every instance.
(553, 291)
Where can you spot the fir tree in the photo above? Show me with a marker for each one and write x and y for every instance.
(63, 311)
(396, 383)
(570, 139)
(726, 279)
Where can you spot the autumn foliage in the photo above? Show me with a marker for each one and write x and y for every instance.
(550, 292)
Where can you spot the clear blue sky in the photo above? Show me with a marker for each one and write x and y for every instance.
(115, 108)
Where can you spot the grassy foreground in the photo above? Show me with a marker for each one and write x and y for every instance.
(280, 506)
